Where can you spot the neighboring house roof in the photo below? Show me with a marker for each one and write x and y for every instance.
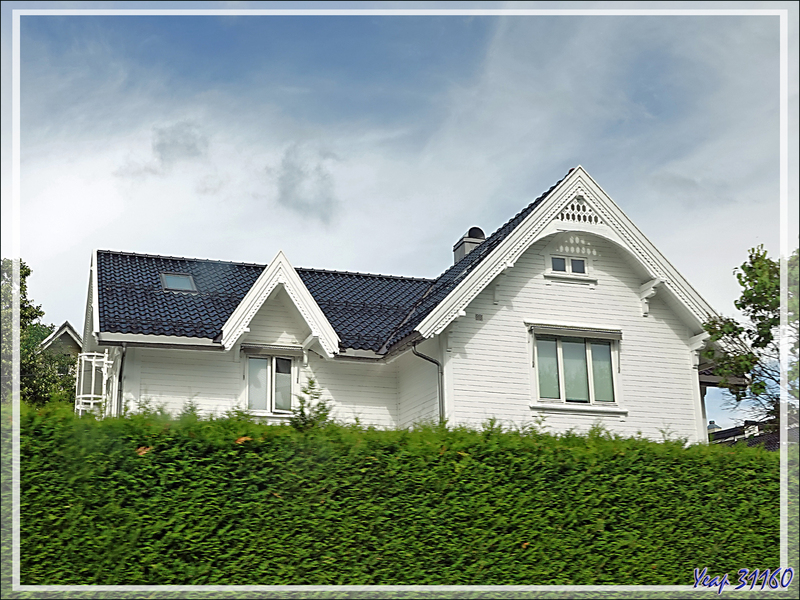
(66, 329)
(739, 431)
(770, 441)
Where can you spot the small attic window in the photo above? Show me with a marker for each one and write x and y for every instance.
(178, 282)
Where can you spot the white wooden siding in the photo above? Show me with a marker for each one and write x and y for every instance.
(417, 388)
(171, 378)
(277, 322)
(488, 373)
(214, 382)
(491, 359)
(358, 389)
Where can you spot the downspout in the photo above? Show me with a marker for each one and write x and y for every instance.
(119, 379)
(441, 379)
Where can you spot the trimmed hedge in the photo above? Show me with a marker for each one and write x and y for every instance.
(149, 500)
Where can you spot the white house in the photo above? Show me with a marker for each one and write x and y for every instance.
(566, 312)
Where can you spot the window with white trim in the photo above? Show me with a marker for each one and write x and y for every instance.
(563, 264)
(269, 384)
(575, 369)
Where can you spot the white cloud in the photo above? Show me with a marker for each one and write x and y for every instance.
(143, 164)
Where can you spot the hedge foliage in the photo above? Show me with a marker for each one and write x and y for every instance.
(149, 500)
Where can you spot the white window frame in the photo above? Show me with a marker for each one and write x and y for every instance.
(568, 275)
(559, 333)
(568, 264)
(271, 410)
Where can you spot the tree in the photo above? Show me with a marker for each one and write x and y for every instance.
(793, 277)
(750, 350)
(44, 376)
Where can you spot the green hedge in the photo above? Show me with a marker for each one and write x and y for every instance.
(148, 500)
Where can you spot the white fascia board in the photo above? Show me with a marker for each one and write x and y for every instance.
(141, 338)
(540, 223)
(70, 330)
(95, 302)
(87, 319)
(280, 272)
(650, 257)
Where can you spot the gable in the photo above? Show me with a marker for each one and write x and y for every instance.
(279, 273)
(277, 322)
(63, 340)
(576, 204)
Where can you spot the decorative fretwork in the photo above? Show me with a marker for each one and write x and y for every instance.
(577, 211)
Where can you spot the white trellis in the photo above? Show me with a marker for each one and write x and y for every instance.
(92, 385)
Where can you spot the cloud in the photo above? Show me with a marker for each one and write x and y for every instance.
(234, 173)
(178, 142)
(306, 184)
(170, 144)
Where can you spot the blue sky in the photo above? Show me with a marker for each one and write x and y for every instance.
(371, 143)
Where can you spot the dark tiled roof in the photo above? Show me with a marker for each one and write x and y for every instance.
(368, 312)
(447, 281)
(363, 309)
(132, 300)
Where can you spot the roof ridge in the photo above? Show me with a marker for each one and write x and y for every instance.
(246, 264)
(187, 258)
(360, 274)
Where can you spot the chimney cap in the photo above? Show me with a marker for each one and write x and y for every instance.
(475, 233)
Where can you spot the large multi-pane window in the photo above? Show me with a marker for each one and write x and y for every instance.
(574, 369)
(269, 384)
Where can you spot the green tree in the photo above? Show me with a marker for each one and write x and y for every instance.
(750, 350)
(44, 376)
(793, 272)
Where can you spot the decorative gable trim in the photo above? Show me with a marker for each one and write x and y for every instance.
(280, 272)
(576, 204)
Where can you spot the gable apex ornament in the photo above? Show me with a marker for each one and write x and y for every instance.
(578, 210)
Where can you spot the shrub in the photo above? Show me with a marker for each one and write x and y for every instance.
(153, 500)
(311, 411)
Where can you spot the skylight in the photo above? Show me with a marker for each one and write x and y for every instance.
(178, 282)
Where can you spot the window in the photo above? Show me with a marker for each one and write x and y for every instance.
(269, 384)
(178, 282)
(563, 265)
(574, 369)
